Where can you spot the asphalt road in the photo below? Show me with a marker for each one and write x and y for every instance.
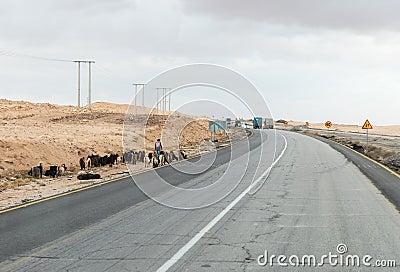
(384, 180)
(27, 228)
(313, 199)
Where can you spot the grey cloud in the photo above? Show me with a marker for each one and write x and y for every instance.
(101, 5)
(44, 21)
(293, 51)
(340, 14)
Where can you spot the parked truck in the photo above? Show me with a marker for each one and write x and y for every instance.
(268, 123)
(257, 122)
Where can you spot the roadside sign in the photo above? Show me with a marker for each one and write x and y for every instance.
(215, 126)
(286, 123)
(367, 125)
(328, 124)
(307, 124)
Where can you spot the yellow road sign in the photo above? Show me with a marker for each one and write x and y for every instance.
(328, 124)
(367, 125)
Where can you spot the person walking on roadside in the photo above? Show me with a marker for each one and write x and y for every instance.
(158, 147)
(40, 169)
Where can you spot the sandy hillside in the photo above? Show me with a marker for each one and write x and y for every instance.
(39, 132)
(36, 132)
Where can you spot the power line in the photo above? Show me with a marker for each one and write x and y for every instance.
(19, 55)
(7, 53)
(104, 69)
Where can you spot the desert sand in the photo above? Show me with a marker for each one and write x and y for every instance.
(383, 141)
(39, 132)
(378, 130)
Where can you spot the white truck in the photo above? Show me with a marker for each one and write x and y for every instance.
(268, 123)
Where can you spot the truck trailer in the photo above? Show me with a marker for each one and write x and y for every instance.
(257, 123)
(268, 123)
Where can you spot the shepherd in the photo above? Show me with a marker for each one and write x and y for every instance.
(158, 147)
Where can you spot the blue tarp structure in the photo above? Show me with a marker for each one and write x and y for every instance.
(215, 126)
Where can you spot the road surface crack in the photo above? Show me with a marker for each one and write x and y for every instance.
(256, 236)
(247, 259)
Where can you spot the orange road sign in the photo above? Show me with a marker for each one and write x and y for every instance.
(307, 124)
(328, 124)
(367, 125)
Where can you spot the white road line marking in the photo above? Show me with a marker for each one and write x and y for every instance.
(265, 175)
(168, 264)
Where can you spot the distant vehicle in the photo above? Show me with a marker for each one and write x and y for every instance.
(229, 122)
(269, 123)
(238, 123)
(257, 122)
(281, 121)
(246, 125)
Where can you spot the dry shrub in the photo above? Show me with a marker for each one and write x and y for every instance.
(15, 183)
(387, 154)
(378, 153)
(373, 155)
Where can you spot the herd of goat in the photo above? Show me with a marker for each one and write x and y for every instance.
(54, 171)
(151, 159)
(131, 157)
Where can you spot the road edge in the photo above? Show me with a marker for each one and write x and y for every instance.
(376, 183)
(104, 182)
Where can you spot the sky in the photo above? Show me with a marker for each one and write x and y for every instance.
(312, 60)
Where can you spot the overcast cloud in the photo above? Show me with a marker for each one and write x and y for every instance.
(312, 60)
(333, 14)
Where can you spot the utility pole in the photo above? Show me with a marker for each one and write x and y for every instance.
(90, 86)
(165, 100)
(79, 84)
(136, 91)
(157, 103)
(162, 104)
(169, 102)
(89, 81)
(134, 97)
